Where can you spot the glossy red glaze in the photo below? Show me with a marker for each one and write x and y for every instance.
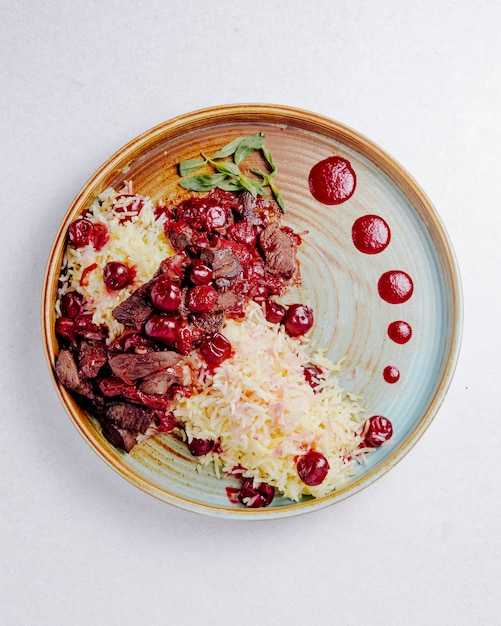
(332, 181)
(395, 287)
(370, 234)
(391, 374)
(399, 331)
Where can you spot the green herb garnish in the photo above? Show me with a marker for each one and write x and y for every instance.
(228, 175)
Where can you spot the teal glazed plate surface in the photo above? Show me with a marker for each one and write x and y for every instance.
(354, 294)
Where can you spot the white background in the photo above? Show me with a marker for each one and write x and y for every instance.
(78, 544)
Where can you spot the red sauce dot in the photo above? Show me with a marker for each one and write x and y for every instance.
(395, 287)
(391, 374)
(399, 331)
(332, 180)
(370, 234)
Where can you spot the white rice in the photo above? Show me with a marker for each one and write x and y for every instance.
(264, 414)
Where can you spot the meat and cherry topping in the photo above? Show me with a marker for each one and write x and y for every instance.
(229, 248)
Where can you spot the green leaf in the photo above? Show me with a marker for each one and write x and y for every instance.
(228, 149)
(247, 146)
(230, 184)
(269, 180)
(253, 186)
(269, 159)
(205, 182)
(190, 165)
(226, 167)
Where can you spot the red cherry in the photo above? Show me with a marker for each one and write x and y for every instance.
(71, 304)
(201, 298)
(215, 348)
(164, 328)
(117, 275)
(377, 430)
(215, 218)
(255, 496)
(243, 232)
(200, 273)
(199, 447)
(100, 236)
(298, 320)
(165, 295)
(312, 468)
(80, 232)
(274, 312)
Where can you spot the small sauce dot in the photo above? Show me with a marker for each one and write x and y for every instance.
(370, 234)
(395, 287)
(391, 374)
(399, 331)
(332, 181)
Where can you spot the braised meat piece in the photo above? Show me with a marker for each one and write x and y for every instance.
(248, 209)
(92, 356)
(226, 300)
(131, 417)
(279, 251)
(179, 234)
(209, 323)
(119, 437)
(67, 370)
(160, 382)
(135, 309)
(129, 367)
(223, 262)
(67, 374)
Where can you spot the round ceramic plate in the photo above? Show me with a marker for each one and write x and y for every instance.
(339, 281)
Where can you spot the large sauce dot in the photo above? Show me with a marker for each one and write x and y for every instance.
(332, 180)
(370, 234)
(395, 287)
(399, 331)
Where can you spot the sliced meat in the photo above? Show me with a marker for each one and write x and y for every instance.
(135, 309)
(173, 267)
(119, 437)
(223, 262)
(92, 355)
(226, 300)
(129, 367)
(179, 234)
(67, 371)
(279, 251)
(67, 374)
(132, 417)
(209, 323)
(248, 210)
(160, 382)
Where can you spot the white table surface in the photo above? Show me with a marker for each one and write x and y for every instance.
(78, 544)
